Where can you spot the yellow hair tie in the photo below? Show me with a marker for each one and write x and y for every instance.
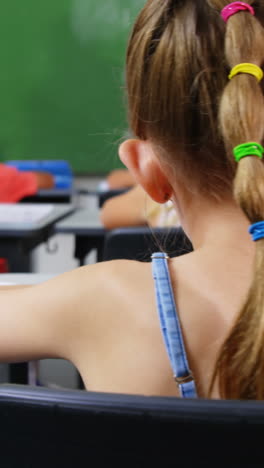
(247, 68)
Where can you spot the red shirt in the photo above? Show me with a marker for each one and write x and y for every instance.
(15, 184)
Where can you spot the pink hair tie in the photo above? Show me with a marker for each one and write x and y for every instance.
(234, 8)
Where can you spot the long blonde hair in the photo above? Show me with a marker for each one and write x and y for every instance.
(179, 97)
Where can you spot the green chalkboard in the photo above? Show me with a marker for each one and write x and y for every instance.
(62, 78)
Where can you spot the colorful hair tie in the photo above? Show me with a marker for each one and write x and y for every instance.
(257, 230)
(248, 149)
(234, 8)
(249, 68)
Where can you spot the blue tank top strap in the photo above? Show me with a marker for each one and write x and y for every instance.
(171, 327)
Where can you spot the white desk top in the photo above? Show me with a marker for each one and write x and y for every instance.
(22, 218)
(24, 278)
(80, 220)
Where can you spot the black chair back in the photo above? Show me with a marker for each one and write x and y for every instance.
(105, 195)
(139, 243)
(73, 428)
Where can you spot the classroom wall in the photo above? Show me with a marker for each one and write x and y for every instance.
(62, 79)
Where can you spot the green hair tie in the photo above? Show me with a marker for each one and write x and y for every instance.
(248, 149)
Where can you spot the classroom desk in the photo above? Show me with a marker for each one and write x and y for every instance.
(88, 230)
(18, 239)
(50, 196)
(23, 373)
(25, 278)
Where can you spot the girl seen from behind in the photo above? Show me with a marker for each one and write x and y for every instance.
(195, 96)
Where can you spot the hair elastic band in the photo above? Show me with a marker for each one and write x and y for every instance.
(248, 149)
(257, 231)
(249, 68)
(234, 8)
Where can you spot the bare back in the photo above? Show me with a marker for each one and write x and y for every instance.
(132, 353)
(104, 319)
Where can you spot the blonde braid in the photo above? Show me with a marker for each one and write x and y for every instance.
(240, 365)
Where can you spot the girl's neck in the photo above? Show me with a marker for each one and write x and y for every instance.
(211, 223)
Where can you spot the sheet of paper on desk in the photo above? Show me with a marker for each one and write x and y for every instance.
(23, 213)
(6, 283)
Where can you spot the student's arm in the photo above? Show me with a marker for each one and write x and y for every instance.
(120, 178)
(48, 320)
(127, 209)
(15, 184)
(44, 180)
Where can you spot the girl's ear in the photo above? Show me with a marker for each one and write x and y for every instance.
(140, 159)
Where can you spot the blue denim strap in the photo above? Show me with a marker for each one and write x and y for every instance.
(171, 327)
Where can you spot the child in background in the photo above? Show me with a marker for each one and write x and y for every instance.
(117, 179)
(15, 184)
(120, 178)
(136, 208)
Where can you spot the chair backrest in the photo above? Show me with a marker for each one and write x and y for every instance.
(71, 428)
(106, 194)
(139, 243)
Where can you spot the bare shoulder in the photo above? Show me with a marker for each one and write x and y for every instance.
(93, 286)
(103, 275)
(49, 319)
(116, 282)
(97, 296)
(124, 268)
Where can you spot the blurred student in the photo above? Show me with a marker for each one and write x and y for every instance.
(120, 178)
(136, 208)
(15, 184)
(117, 179)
